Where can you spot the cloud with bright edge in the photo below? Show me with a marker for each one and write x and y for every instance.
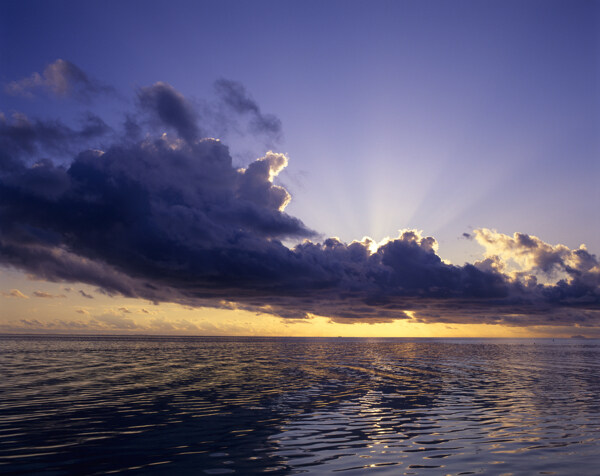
(168, 218)
(15, 293)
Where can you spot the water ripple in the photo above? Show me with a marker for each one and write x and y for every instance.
(104, 405)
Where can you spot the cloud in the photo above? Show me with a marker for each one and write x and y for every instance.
(22, 138)
(15, 293)
(256, 182)
(107, 322)
(170, 107)
(115, 321)
(43, 294)
(61, 78)
(531, 255)
(235, 96)
(85, 295)
(170, 219)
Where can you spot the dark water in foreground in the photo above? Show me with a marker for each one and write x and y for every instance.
(101, 405)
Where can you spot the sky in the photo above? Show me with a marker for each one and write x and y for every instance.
(405, 168)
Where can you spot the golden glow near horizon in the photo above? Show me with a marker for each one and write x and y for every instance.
(40, 307)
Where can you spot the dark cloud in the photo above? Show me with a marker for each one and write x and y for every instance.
(22, 138)
(61, 78)
(86, 295)
(171, 109)
(235, 96)
(171, 219)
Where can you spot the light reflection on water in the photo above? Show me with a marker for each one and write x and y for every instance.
(290, 406)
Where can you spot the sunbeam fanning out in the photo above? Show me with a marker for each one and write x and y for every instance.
(317, 237)
(168, 218)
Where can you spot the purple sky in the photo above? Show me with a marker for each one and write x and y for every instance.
(435, 115)
(445, 117)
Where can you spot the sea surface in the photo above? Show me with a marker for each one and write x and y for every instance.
(148, 405)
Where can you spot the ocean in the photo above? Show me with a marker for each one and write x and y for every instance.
(218, 405)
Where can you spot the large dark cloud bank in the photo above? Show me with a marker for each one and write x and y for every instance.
(167, 217)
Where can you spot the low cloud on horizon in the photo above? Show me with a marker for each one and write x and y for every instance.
(168, 218)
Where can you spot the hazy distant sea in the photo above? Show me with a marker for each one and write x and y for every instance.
(102, 405)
